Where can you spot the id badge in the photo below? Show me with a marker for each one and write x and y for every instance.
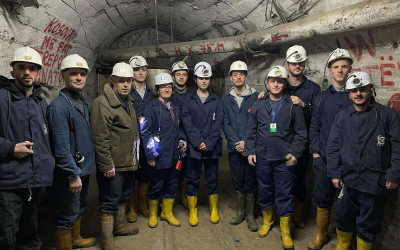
(272, 127)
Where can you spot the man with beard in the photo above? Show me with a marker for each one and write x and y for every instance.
(302, 91)
(142, 94)
(237, 106)
(26, 163)
(180, 74)
(327, 104)
(68, 116)
(363, 160)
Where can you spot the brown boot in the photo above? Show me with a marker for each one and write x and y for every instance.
(182, 186)
(119, 228)
(143, 191)
(107, 224)
(298, 214)
(63, 239)
(131, 215)
(77, 240)
(323, 217)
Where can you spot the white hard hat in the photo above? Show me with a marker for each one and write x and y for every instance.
(74, 61)
(202, 69)
(163, 78)
(357, 80)
(26, 54)
(238, 66)
(122, 70)
(296, 54)
(278, 71)
(339, 54)
(137, 62)
(181, 65)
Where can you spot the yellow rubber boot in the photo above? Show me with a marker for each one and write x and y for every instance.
(344, 240)
(77, 240)
(287, 242)
(131, 215)
(143, 191)
(214, 216)
(362, 245)
(193, 219)
(153, 206)
(167, 214)
(267, 222)
(63, 239)
(322, 237)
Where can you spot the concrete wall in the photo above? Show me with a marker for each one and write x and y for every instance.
(57, 28)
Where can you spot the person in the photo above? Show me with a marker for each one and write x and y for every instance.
(327, 104)
(302, 91)
(26, 162)
(71, 141)
(180, 73)
(142, 94)
(237, 106)
(202, 118)
(116, 142)
(363, 161)
(276, 137)
(161, 133)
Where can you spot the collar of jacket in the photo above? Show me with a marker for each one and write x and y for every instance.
(286, 97)
(72, 102)
(353, 110)
(210, 96)
(176, 91)
(112, 98)
(155, 102)
(303, 83)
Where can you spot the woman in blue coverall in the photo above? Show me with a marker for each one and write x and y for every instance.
(159, 128)
(202, 118)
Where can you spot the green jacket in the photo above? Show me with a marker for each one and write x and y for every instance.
(115, 133)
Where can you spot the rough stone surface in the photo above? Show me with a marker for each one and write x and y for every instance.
(57, 28)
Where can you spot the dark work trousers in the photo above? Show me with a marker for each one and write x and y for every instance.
(163, 181)
(193, 175)
(183, 172)
(67, 205)
(275, 182)
(115, 190)
(300, 174)
(143, 172)
(19, 219)
(362, 212)
(324, 190)
(243, 174)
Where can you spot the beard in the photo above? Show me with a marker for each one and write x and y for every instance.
(297, 75)
(24, 83)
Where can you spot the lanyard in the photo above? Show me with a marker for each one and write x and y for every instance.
(277, 107)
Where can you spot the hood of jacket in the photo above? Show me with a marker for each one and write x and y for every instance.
(9, 84)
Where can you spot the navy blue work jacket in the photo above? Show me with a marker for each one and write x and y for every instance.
(306, 91)
(69, 133)
(327, 104)
(155, 117)
(139, 104)
(178, 99)
(364, 148)
(291, 134)
(25, 119)
(235, 118)
(203, 123)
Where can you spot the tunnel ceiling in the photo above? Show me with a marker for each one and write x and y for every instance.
(100, 22)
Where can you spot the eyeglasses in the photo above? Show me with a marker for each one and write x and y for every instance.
(165, 87)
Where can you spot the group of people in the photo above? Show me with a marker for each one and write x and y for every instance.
(162, 138)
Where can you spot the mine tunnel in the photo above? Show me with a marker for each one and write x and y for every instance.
(219, 32)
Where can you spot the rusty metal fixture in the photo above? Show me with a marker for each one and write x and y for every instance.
(372, 13)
